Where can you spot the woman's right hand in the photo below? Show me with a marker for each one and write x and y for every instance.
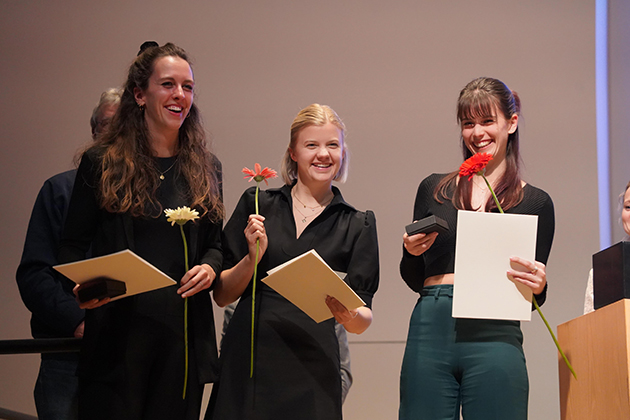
(417, 244)
(91, 304)
(255, 231)
(230, 285)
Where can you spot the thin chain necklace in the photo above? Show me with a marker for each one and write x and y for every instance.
(481, 185)
(305, 217)
(169, 168)
(314, 208)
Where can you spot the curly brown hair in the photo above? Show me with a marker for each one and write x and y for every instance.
(129, 172)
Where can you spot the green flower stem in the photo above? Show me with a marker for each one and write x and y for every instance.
(181, 227)
(553, 336)
(554, 339)
(251, 367)
(496, 200)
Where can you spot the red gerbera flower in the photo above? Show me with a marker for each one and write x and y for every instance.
(474, 164)
(259, 175)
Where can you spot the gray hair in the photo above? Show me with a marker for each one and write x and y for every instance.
(110, 97)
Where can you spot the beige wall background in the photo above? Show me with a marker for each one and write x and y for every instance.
(392, 70)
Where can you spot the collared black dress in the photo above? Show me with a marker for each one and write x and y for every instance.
(296, 364)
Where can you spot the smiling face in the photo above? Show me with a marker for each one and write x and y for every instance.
(318, 153)
(489, 134)
(168, 96)
(625, 213)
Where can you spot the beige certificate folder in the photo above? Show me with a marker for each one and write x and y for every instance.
(483, 247)
(306, 281)
(138, 275)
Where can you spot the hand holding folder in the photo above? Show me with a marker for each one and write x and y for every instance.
(116, 275)
(306, 281)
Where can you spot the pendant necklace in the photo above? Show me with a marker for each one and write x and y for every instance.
(169, 168)
(306, 216)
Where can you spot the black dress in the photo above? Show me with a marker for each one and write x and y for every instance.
(132, 358)
(296, 365)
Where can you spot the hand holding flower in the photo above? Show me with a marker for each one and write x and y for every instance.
(198, 278)
(194, 280)
(419, 243)
(534, 275)
(257, 175)
(255, 231)
(531, 274)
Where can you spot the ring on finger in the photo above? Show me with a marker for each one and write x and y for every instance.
(534, 271)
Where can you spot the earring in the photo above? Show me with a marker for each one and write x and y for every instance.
(141, 106)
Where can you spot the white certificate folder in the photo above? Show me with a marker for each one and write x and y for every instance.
(306, 281)
(138, 275)
(485, 242)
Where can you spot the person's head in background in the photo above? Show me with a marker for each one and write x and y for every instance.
(625, 209)
(104, 110)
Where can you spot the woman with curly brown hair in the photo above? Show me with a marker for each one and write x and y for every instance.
(153, 157)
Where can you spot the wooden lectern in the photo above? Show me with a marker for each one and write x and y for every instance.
(598, 346)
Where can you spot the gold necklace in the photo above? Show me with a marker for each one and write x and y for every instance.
(169, 168)
(304, 216)
(314, 208)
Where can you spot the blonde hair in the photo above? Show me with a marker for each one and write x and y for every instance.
(314, 114)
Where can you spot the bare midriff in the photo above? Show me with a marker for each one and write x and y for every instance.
(440, 279)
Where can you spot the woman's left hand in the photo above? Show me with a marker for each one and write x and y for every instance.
(339, 311)
(355, 321)
(198, 278)
(531, 274)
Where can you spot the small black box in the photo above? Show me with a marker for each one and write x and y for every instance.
(427, 225)
(611, 274)
(100, 288)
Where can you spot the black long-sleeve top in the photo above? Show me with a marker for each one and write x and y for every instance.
(46, 293)
(440, 257)
(154, 239)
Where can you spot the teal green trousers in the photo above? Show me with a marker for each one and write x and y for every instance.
(475, 365)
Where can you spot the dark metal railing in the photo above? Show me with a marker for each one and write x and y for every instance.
(35, 345)
(40, 345)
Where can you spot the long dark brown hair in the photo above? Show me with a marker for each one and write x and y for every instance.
(482, 98)
(129, 173)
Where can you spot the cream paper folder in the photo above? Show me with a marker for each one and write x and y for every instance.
(138, 275)
(306, 281)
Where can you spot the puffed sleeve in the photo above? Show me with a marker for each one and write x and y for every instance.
(234, 241)
(212, 252)
(411, 266)
(363, 267)
(83, 213)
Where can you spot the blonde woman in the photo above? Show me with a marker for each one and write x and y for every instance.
(296, 365)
